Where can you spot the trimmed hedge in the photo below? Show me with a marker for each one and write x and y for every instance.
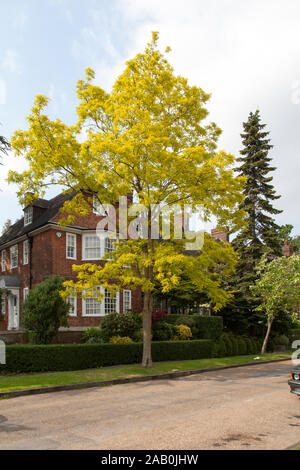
(235, 346)
(295, 334)
(202, 327)
(64, 357)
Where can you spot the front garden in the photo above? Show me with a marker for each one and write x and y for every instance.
(119, 341)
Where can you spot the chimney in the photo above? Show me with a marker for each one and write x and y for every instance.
(220, 235)
(287, 250)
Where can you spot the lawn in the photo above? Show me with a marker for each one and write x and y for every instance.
(25, 381)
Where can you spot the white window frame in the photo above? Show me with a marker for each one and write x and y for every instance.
(13, 249)
(113, 247)
(117, 302)
(125, 292)
(28, 215)
(84, 238)
(73, 237)
(102, 305)
(25, 252)
(3, 260)
(74, 312)
(98, 208)
(84, 306)
(25, 293)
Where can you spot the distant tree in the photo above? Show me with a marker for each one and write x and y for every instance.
(4, 145)
(293, 241)
(278, 289)
(6, 227)
(44, 311)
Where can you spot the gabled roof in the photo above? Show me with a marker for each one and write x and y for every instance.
(51, 209)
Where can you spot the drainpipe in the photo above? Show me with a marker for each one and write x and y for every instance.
(30, 242)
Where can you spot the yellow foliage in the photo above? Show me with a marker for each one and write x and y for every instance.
(183, 333)
(149, 137)
(120, 340)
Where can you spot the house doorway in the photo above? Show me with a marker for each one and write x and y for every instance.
(13, 310)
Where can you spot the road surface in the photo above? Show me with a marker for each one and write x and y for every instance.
(244, 408)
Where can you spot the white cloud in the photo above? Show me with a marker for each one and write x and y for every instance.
(10, 62)
(20, 21)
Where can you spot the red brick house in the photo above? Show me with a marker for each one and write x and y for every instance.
(37, 247)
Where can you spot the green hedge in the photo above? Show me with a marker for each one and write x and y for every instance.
(202, 327)
(295, 334)
(63, 357)
(229, 345)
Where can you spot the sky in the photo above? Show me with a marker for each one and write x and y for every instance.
(246, 54)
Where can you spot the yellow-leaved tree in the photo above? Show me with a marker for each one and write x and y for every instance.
(149, 138)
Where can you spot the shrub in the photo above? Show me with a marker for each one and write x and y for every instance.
(270, 345)
(63, 357)
(121, 324)
(235, 346)
(222, 348)
(201, 327)
(93, 335)
(242, 346)
(159, 315)
(228, 344)
(44, 311)
(138, 336)
(120, 340)
(183, 333)
(249, 348)
(281, 340)
(295, 334)
(162, 331)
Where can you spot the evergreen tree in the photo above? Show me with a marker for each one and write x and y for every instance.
(261, 235)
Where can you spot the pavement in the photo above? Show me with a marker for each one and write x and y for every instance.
(244, 408)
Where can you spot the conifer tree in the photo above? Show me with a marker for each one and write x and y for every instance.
(261, 235)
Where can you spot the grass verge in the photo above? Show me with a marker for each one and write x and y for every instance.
(26, 381)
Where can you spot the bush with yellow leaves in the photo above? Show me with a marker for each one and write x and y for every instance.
(120, 340)
(183, 333)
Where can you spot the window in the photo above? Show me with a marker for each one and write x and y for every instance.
(91, 247)
(111, 304)
(109, 245)
(72, 300)
(71, 246)
(25, 252)
(28, 216)
(91, 305)
(126, 301)
(25, 293)
(3, 263)
(98, 209)
(14, 256)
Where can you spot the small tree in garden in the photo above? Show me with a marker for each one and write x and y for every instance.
(278, 288)
(44, 311)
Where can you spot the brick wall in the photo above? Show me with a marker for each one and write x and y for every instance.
(220, 235)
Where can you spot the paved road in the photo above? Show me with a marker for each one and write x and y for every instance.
(246, 408)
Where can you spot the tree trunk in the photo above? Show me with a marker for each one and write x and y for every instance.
(264, 346)
(147, 322)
